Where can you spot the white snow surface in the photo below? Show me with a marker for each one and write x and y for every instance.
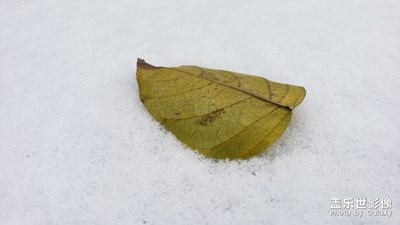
(78, 147)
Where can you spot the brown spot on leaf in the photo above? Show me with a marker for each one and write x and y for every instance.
(211, 117)
(177, 115)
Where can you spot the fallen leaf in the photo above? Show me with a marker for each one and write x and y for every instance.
(220, 114)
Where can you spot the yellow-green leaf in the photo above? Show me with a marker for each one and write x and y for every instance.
(220, 114)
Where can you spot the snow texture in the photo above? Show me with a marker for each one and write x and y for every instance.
(78, 147)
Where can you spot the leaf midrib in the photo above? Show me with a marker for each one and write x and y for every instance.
(235, 88)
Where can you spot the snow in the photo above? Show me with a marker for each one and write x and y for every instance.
(78, 147)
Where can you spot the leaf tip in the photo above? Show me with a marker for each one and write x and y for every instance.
(303, 95)
(141, 63)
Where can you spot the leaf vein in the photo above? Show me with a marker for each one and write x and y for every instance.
(181, 93)
(250, 151)
(227, 106)
(238, 89)
(247, 127)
